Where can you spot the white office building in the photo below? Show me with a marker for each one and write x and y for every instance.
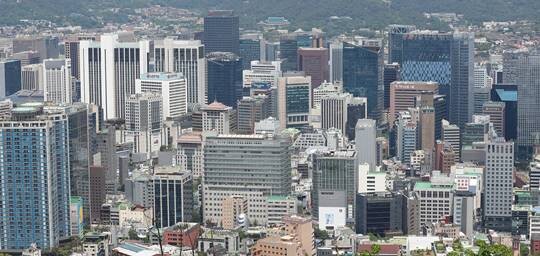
(499, 180)
(173, 90)
(262, 73)
(186, 57)
(57, 82)
(32, 77)
(109, 69)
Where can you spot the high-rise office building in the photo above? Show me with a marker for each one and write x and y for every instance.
(35, 188)
(444, 58)
(57, 84)
(365, 140)
(403, 95)
(173, 90)
(395, 41)
(270, 51)
(496, 111)
(326, 89)
(224, 78)
(314, 63)
(363, 75)
(334, 175)
(499, 180)
(381, 213)
(79, 153)
(334, 111)
(250, 49)
(215, 117)
(27, 57)
(356, 110)
(222, 32)
(46, 46)
(253, 166)
(507, 94)
(144, 120)
(251, 110)
(406, 137)
(262, 74)
(435, 200)
(520, 68)
(481, 95)
(288, 52)
(475, 131)
(391, 74)
(108, 71)
(71, 51)
(186, 57)
(173, 196)
(190, 153)
(294, 101)
(336, 61)
(10, 77)
(32, 77)
(108, 160)
(451, 134)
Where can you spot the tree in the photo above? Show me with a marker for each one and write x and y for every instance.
(321, 234)
(132, 234)
(375, 250)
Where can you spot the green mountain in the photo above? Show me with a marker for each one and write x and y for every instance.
(302, 13)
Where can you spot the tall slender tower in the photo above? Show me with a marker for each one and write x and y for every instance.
(34, 178)
(186, 57)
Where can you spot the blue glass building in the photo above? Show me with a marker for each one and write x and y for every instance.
(250, 50)
(10, 77)
(173, 196)
(445, 58)
(34, 178)
(224, 78)
(363, 68)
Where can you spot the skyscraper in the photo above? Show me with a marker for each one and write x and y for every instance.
(171, 86)
(250, 49)
(395, 41)
(363, 75)
(294, 99)
(186, 57)
(507, 94)
(391, 74)
(336, 61)
(79, 153)
(46, 46)
(109, 69)
(221, 32)
(251, 110)
(288, 52)
(71, 51)
(499, 180)
(366, 145)
(444, 58)
(496, 111)
(10, 77)
(57, 82)
(403, 95)
(253, 166)
(32, 77)
(406, 137)
(144, 119)
(35, 198)
(224, 78)
(262, 74)
(334, 111)
(173, 196)
(314, 63)
(451, 134)
(520, 68)
(334, 174)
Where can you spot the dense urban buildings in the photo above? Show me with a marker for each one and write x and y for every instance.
(157, 130)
